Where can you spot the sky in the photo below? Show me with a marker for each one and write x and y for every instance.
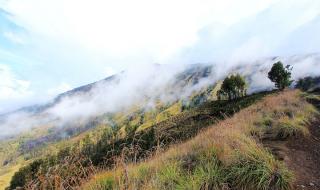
(51, 46)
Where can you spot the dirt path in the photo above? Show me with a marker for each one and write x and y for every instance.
(302, 156)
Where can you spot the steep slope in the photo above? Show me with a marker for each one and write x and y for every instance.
(155, 101)
(47, 139)
(161, 85)
(103, 150)
(232, 154)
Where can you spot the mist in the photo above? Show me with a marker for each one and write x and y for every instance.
(144, 87)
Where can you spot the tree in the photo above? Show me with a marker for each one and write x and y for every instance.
(280, 75)
(233, 87)
(308, 83)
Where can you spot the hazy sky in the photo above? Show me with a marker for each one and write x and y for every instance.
(50, 46)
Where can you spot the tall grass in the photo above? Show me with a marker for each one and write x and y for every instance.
(256, 168)
(228, 155)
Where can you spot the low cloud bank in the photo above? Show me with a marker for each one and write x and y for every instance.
(144, 86)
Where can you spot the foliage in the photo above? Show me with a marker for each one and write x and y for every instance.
(280, 75)
(24, 174)
(233, 87)
(308, 83)
(136, 145)
(49, 140)
(201, 166)
(258, 169)
(228, 155)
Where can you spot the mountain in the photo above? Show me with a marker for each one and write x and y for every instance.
(160, 104)
(43, 132)
(157, 85)
(36, 109)
(197, 72)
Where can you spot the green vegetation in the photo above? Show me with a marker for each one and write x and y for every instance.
(136, 145)
(258, 169)
(308, 83)
(280, 75)
(233, 87)
(191, 143)
(6, 174)
(200, 169)
(226, 155)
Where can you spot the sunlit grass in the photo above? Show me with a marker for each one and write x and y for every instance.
(226, 155)
(6, 176)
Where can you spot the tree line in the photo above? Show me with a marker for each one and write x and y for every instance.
(235, 85)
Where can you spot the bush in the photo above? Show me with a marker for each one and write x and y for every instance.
(233, 87)
(280, 75)
(105, 184)
(24, 174)
(308, 83)
(256, 172)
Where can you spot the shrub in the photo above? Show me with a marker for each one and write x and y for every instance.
(105, 183)
(233, 87)
(308, 83)
(256, 172)
(280, 75)
(24, 174)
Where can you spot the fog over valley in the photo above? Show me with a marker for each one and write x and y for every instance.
(144, 87)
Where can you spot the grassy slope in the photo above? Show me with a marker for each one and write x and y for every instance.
(8, 172)
(138, 119)
(9, 150)
(179, 127)
(228, 154)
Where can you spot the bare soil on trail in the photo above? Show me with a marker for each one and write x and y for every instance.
(302, 156)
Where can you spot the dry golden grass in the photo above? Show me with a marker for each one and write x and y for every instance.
(6, 177)
(226, 154)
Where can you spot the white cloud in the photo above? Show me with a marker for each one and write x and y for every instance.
(284, 28)
(81, 41)
(119, 28)
(156, 83)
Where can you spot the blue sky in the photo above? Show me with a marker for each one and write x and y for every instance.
(50, 46)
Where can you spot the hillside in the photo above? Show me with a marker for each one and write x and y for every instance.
(94, 125)
(273, 144)
(102, 149)
(245, 145)
(159, 95)
(48, 136)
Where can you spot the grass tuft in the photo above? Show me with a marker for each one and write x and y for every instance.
(256, 168)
